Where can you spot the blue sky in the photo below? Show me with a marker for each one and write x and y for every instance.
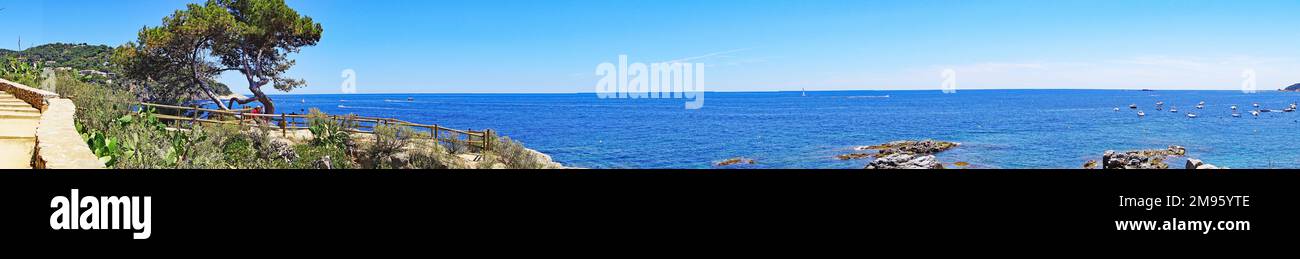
(748, 45)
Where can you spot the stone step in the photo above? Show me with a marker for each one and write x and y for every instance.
(20, 109)
(19, 115)
(22, 133)
(15, 105)
(16, 153)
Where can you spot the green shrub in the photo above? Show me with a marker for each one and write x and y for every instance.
(20, 71)
(428, 156)
(313, 157)
(237, 150)
(514, 155)
(328, 131)
(382, 152)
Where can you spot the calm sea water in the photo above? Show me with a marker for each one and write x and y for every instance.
(998, 128)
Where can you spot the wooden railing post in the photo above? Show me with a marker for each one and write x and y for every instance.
(195, 119)
(284, 130)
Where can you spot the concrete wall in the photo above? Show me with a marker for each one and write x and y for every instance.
(58, 144)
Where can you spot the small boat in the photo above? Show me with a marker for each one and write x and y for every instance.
(410, 99)
(1191, 115)
(1173, 109)
(304, 100)
(1288, 110)
(1201, 103)
(1255, 113)
(1160, 103)
(1255, 104)
(1236, 115)
(804, 93)
(1141, 114)
(1200, 106)
(1234, 107)
(1133, 106)
(1116, 109)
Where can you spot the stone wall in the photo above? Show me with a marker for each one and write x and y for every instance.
(58, 144)
(33, 96)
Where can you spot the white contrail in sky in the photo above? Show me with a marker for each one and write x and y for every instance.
(680, 60)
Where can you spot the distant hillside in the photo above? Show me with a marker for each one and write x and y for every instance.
(1295, 87)
(80, 57)
(77, 56)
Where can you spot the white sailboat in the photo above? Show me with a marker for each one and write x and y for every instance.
(805, 92)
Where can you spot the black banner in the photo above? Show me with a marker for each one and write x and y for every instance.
(614, 206)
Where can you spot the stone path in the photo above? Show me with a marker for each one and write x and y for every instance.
(18, 122)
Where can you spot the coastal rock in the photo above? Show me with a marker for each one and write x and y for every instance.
(1193, 164)
(1091, 164)
(911, 147)
(735, 161)
(1140, 159)
(545, 160)
(905, 161)
(1176, 151)
(853, 156)
(323, 163)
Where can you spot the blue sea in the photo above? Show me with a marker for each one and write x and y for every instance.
(997, 128)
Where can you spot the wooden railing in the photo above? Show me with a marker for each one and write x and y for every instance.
(287, 122)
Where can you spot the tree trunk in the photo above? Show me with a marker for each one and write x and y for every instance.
(267, 104)
(214, 99)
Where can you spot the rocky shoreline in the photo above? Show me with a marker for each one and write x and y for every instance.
(1146, 159)
(903, 154)
(735, 161)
